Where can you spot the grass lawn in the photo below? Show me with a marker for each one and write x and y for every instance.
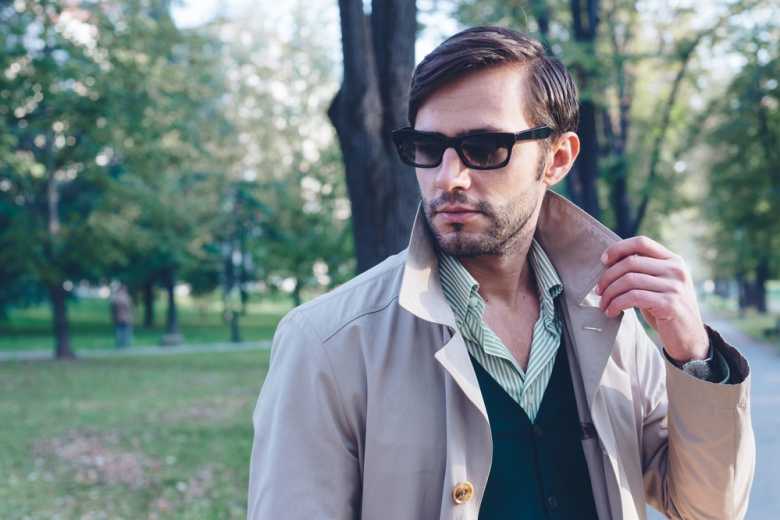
(128, 437)
(200, 321)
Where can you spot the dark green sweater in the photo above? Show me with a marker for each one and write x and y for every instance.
(539, 469)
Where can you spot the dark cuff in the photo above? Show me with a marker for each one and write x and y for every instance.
(715, 368)
(738, 365)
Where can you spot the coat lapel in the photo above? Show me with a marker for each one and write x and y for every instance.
(454, 357)
(421, 292)
(422, 295)
(574, 242)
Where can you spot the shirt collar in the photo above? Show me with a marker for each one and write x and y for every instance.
(548, 283)
(462, 290)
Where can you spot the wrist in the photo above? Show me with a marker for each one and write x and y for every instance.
(699, 351)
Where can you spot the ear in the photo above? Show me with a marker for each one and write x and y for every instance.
(564, 152)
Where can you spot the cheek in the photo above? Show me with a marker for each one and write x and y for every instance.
(425, 182)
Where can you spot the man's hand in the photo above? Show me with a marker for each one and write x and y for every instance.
(642, 273)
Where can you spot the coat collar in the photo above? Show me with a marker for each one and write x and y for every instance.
(574, 242)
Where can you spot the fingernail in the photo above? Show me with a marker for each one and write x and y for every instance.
(604, 257)
(597, 290)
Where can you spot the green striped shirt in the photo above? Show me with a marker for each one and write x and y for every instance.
(462, 292)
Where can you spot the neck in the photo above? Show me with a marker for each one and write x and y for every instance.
(504, 279)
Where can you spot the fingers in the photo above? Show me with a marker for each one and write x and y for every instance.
(643, 274)
(640, 245)
(640, 272)
(632, 281)
(632, 264)
(660, 305)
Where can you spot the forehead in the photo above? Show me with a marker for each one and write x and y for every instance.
(489, 98)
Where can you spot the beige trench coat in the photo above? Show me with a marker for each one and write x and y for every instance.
(371, 408)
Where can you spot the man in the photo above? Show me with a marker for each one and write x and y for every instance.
(122, 316)
(496, 368)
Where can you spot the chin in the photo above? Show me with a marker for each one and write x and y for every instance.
(462, 244)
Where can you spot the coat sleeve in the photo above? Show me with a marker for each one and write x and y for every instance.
(697, 441)
(304, 461)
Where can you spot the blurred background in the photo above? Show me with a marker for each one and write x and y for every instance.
(177, 175)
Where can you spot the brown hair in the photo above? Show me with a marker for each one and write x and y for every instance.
(552, 93)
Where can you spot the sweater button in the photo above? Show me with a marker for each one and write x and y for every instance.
(462, 492)
(552, 503)
(538, 431)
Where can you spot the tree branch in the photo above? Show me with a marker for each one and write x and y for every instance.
(685, 53)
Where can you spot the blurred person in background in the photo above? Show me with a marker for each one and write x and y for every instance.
(122, 315)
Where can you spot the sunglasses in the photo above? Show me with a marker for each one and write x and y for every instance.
(478, 150)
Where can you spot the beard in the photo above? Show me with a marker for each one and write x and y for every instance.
(509, 225)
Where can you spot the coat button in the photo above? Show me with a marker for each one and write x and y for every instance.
(462, 492)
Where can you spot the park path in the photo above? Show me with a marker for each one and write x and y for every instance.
(39, 355)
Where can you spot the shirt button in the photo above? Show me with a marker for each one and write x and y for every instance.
(462, 492)
(552, 503)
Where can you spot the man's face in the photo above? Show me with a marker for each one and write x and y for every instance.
(481, 212)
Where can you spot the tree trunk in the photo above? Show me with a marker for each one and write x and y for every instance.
(172, 335)
(743, 293)
(616, 136)
(243, 275)
(235, 330)
(541, 12)
(57, 293)
(244, 295)
(296, 294)
(59, 312)
(582, 182)
(618, 196)
(148, 297)
(230, 289)
(378, 53)
(172, 318)
(759, 287)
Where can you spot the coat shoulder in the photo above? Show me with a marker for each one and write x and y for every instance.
(368, 293)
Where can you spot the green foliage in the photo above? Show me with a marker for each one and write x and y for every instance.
(168, 126)
(744, 196)
(50, 182)
(137, 151)
(288, 200)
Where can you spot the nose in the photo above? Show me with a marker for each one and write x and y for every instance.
(452, 174)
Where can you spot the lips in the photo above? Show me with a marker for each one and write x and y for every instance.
(456, 209)
(456, 214)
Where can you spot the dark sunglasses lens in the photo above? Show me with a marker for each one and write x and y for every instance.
(484, 151)
(420, 150)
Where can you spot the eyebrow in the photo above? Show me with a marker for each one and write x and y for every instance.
(469, 131)
(487, 128)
